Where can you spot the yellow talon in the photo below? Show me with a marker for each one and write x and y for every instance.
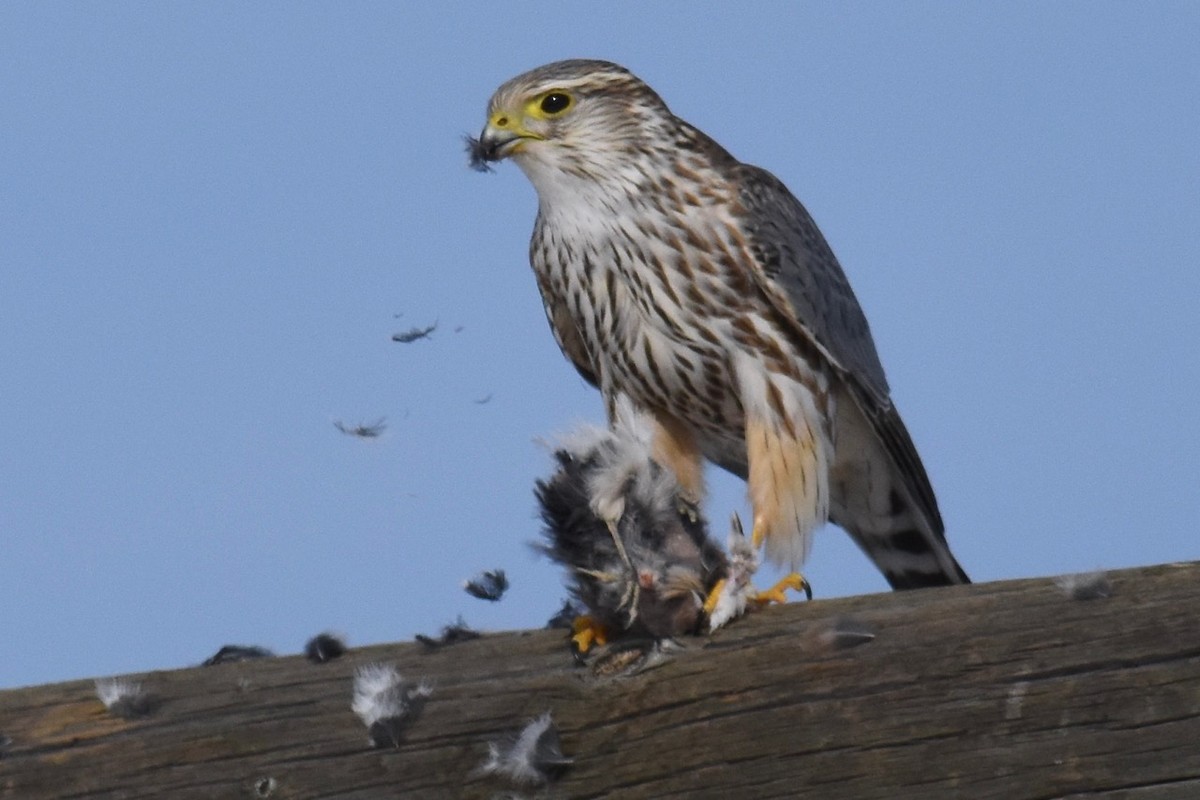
(586, 631)
(710, 602)
(778, 592)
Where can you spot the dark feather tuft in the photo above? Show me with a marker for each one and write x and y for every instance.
(488, 585)
(324, 647)
(565, 616)
(454, 633)
(477, 154)
(415, 334)
(237, 652)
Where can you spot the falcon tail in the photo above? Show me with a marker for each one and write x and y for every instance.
(882, 497)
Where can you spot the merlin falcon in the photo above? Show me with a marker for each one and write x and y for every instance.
(700, 288)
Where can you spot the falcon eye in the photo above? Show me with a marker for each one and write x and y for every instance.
(555, 103)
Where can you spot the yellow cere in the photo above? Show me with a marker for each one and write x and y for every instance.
(501, 119)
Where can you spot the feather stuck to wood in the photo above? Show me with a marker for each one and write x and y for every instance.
(324, 647)
(265, 787)
(454, 633)
(231, 653)
(386, 703)
(125, 698)
(1085, 585)
(845, 633)
(533, 757)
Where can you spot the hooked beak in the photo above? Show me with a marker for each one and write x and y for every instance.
(491, 145)
(500, 138)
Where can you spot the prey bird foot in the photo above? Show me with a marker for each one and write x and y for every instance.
(629, 598)
(710, 602)
(629, 601)
(688, 510)
(616, 537)
(687, 504)
(586, 631)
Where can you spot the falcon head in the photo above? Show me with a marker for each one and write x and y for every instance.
(585, 119)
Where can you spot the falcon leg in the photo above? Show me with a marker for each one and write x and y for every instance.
(675, 448)
(788, 470)
(758, 535)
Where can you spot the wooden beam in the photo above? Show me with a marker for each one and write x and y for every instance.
(1004, 690)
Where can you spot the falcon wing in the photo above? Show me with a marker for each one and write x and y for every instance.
(799, 274)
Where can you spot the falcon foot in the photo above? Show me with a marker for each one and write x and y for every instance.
(586, 631)
(778, 592)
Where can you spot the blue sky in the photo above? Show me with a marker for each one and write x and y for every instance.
(214, 216)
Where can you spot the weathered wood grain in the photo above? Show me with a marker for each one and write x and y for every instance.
(1006, 690)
